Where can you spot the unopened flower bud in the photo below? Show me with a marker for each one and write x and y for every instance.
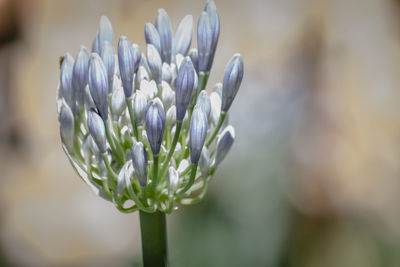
(183, 35)
(95, 44)
(67, 128)
(142, 74)
(163, 27)
(151, 35)
(66, 86)
(126, 63)
(124, 177)
(88, 99)
(139, 160)
(167, 95)
(195, 58)
(92, 144)
(232, 79)
(204, 41)
(198, 132)
(212, 12)
(172, 181)
(155, 63)
(224, 144)
(118, 104)
(80, 74)
(204, 102)
(137, 56)
(106, 32)
(139, 107)
(155, 126)
(179, 59)
(204, 162)
(182, 166)
(170, 117)
(184, 87)
(97, 130)
(215, 100)
(149, 89)
(98, 85)
(166, 73)
(218, 89)
(107, 54)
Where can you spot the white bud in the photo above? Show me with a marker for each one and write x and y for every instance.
(170, 116)
(167, 95)
(172, 181)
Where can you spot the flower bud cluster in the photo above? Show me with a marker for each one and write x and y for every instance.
(140, 125)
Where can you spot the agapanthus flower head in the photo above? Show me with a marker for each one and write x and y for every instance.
(142, 126)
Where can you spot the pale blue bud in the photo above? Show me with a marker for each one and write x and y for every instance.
(149, 89)
(167, 95)
(118, 103)
(155, 126)
(204, 41)
(179, 59)
(163, 27)
(166, 73)
(97, 130)
(215, 100)
(67, 128)
(106, 32)
(107, 54)
(224, 144)
(139, 161)
(92, 144)
(66, 86)
(137, 56)
(195, 58)
(170, 117)
(126, 63)
(155, 63)
(218, 89)
(80, 74)
(139, 107)
(204, 102)
(152, 36)
(183, 35)
(212, 12)
(141, 74)
(124, 177)
(143, 63)
(98, 85)
(184, 87)
(88, 99)
(198, 132)
(232, 79)
(95, 44)
(172, 181)
(204, 162)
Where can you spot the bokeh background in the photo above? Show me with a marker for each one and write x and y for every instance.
(312, 180)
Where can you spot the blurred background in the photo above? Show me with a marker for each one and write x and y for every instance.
(313, 178)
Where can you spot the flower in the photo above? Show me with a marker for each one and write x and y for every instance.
(164, 125)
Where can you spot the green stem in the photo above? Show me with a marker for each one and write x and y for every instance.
(154, 238)
(155, 173)
(172, 149)
(191, 179)
(216, 130)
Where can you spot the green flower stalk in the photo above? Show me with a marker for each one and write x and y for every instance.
(141, 126)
